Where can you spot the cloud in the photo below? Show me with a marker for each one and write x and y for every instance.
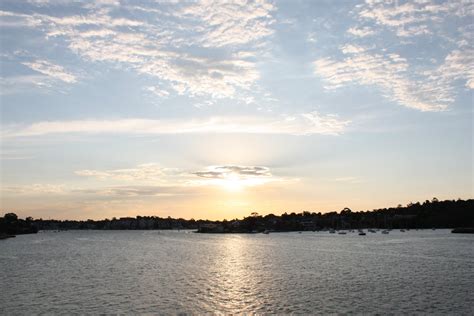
(149, 171)
(175, 181)
(51, 70)
(361, 32)
(458, 65)
(235, 177)
(37, 188)
(409, 80)
(229, 23)
(220, 172)
(157, 91)
(412, 18)
(138, 191)
(22, 83)
(301, 124)
(312, 38)
(192, 48)
(352, 49)
(430, 91)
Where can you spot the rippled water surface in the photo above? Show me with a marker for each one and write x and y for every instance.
(168, 272)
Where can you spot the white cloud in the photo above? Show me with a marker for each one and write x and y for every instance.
(51, 70)
(149, 171)
(458, 65)
(18, 84)
(174, 181)
(312, 38)
(400, 76)
(361, 32)
(37, 188)
(157, 91)
(352, 49)
(432, 90)
(412, 18)
(138, 191)
(302, 124)
(229, 23)
(158, 44)
(151, 180)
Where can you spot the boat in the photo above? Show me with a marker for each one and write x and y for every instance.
(465, 230)
(362, 234)
(402, 230)
(5, 236)
(372, 231)
(266, 232)
(332, 231)
(384, 231)
(342, 233)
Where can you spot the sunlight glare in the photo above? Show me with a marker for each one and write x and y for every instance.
(232, 183)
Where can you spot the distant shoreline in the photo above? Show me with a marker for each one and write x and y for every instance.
(449, 214)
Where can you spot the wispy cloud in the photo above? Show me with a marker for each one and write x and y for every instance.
(22, 83)
(432, 90)
(152, 180)
(51, 70)
(397, 73)
(301, 124)
(219, 172)
(229, 23)
(149, 171)
(138, 191)
(361, 32)
(236, 177)
(37, 188)
(412, 18)
(389, 72)
(191, 47)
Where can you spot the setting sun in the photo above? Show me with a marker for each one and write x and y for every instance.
(233, 183)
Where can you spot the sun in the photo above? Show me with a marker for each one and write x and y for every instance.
(233, 183)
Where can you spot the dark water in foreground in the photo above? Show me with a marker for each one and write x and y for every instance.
(168, 272)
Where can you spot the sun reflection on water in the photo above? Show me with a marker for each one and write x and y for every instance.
(235, 279)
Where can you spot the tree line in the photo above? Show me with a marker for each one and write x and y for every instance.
(429, 214)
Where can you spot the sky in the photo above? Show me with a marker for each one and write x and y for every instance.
(213, 109)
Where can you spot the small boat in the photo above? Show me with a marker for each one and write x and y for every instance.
(372, 231)
(266, 232)
(332, 231)
(5, 236)
(465, 230)
(384, 231)
(402, 230)
(342, 233)
(362, 234)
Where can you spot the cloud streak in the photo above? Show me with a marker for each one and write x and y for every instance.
(51, 70)
(302, 124)
(149, 171)
(220, 172)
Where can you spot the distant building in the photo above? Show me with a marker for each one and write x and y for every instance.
(211, 228)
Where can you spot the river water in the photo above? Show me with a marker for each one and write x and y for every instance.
(92, 272)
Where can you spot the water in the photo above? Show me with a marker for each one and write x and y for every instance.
(96, 272)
